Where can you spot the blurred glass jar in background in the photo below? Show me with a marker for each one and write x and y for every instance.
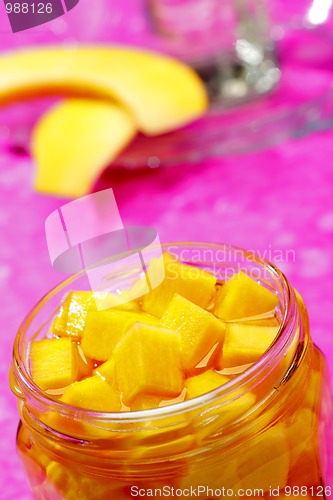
(227, 41)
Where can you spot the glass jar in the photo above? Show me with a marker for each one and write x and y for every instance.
(266, 432)
(229, 43)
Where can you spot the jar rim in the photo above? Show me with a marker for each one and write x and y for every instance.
(276, 349)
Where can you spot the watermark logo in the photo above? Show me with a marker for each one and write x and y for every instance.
(88, 234)
(26, 14)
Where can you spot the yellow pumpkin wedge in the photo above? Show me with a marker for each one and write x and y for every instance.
(53, 363)
(160, 92)
(75, 141)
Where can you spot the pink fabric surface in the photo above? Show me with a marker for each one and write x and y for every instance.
(277, 200)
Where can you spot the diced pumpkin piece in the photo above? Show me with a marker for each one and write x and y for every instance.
(283, 496)
(208, 381)
(53, 363)
(71, 318)
(208, 361)
(303, 310)
(78, 427)
(205, 382)
(304, 450)
(245, 343)
(170, 438)
(145, 402)
(73, 484)
(243, 297)
(104, 329)
(271, 322)
(123, 301)
(92, 393)
(264, 463)
(199, 329)
(162, 93)
(147, 361)
(190, 282)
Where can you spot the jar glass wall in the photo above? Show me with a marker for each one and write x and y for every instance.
(267, 432)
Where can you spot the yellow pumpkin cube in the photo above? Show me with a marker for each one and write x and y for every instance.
(245, 343)
(146, 401)
(188, 281)
(228, 412)
(147, 361)
(107, 371)
(203, 383)
(199, 329)
(104, 329)
(72, 169)
(304, 448)
(92, 393)
(264, 463)
(73, 484)
(242, 297)
(53, 363)
(71, 318)
(160, 92)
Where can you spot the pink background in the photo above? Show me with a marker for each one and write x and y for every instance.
(277, 200)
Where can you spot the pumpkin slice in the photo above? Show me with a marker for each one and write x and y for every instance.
(75, 141)
(92, 393)
(160, 92)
